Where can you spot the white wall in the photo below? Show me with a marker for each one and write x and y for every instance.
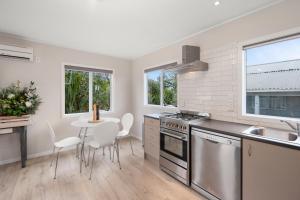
(218, 90)
(48, 78)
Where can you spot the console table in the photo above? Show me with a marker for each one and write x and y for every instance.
(19, 126)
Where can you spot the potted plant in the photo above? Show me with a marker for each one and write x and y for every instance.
(18, 102)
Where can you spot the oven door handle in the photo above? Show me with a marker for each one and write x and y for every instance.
(174, 136)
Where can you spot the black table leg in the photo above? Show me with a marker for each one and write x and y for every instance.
(23, 145)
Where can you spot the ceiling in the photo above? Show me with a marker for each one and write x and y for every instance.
(121, 28)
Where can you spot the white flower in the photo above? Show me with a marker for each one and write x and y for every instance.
(29, 94)
(28, 104)
(10, 96)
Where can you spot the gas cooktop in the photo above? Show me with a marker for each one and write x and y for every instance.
(188, 115)
(180, 121)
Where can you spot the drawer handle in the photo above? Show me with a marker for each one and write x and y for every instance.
(172, 135)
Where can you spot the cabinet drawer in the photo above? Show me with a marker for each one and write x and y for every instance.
(6, 131)
(151, 122)
(152, 131)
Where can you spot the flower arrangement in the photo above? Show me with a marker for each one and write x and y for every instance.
(17, 101)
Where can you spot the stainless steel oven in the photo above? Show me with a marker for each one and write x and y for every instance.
(174, 154)
(173, 146)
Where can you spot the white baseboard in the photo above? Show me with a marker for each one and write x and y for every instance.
(31, 156)
(35, 155)
(40, 154)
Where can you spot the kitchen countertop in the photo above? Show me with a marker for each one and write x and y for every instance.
(236, 129)
(229, 128)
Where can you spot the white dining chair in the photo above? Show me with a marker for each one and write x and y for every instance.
(104, 136)
(59, 145)
(126, 122)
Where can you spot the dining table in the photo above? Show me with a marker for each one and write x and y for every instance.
(84, 124)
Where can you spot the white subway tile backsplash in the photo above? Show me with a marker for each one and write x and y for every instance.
(214, 91)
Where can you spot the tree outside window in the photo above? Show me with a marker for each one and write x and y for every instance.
(161, 88)
(76, 91)
(170, 88)
(83, 84)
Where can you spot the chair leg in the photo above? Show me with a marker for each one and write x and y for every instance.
(52, 156)
(118, 153)
(92, 164)
(56, 164)
(130, 140)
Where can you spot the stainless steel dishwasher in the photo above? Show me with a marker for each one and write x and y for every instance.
(216, 165)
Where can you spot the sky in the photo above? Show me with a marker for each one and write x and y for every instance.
(153, 75)
(275, 52)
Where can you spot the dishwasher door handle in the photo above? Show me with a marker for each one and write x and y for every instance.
(213, 141)
(216, 139)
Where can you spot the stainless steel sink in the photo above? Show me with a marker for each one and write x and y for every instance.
(272, 133)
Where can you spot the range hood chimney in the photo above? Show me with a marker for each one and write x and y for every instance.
(190, 61)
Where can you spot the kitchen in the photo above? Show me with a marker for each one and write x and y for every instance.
(225, 126)
(225, 160)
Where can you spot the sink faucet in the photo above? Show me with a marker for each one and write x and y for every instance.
(295, 128)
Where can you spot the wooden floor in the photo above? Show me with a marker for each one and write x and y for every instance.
(138, 179)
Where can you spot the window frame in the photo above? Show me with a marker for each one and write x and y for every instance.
(269, 39)
(160, 68)
(63, 112)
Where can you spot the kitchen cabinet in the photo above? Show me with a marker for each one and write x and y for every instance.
(270, 172)
(151, 138)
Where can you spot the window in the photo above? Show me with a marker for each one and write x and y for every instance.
(85, 87)
(272, 78)
(161, 86)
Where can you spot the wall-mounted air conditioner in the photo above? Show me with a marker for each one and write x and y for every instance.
(16, 52)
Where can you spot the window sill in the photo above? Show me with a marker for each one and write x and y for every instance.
(268, 117)
(160, 106)
(85, 113)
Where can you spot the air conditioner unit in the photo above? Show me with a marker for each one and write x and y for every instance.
(16, 52)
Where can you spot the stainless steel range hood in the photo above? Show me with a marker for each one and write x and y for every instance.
(190, 61)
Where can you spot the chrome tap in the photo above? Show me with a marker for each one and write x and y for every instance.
(295, 128)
